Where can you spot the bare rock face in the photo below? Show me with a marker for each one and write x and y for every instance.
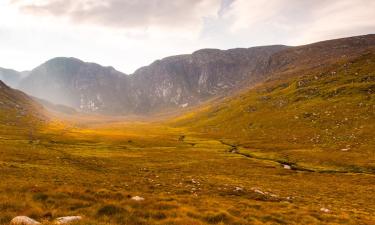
(178, 81)
(87, 87)
(173, 82)
(67, 219)
(23, 220)
(185, 80)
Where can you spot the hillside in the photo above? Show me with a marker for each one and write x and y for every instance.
(321, 119)
(19, 114)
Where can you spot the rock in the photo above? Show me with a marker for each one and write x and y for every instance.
(258, 191)
(287, 167)
(238, 189)
(137, 198)
(23, 220)
(325, 210)
(67, 219)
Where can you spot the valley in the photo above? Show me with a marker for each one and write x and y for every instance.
(290, 141)
(95, 171)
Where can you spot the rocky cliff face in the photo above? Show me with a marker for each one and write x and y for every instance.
(177, 81)
(87, 87)
(181, 81)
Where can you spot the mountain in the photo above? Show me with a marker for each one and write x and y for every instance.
(186, 80)
(180, 81)
(10, 77)
(84, 86)
(176, 81)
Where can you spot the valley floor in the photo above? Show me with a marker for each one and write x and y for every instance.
(183, 177)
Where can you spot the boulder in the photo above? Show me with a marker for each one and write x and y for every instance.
(325, 210)
(137, 198)
(23, 220)
(67, 219)
(287, 167)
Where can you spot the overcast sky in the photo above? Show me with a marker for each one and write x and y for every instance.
(128, 34)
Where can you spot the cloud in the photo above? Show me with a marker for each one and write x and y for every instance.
(128, 34)
(126, 14)
(302, 21)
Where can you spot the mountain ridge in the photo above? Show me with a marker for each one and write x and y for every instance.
(178, 81)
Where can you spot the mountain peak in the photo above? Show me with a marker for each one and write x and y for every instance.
(180, 80)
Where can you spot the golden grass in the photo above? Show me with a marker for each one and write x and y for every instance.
(94, 172)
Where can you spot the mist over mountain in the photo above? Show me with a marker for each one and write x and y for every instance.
(88, 87)
(173, 82)
(10, 77)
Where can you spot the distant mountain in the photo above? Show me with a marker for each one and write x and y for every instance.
(10, 77)
(84, 86)
(176, 81)
(179, 81)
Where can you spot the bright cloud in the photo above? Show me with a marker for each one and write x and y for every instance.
(128, 34)
(156, 15)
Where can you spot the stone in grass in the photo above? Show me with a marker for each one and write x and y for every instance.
(23, 220)
(325, 210)
(287, 167)
(137, 198)
(67, 219)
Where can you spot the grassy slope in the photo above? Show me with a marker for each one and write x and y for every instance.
(19, 115)
(322, 119)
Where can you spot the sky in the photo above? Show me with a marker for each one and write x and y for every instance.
(128, 34)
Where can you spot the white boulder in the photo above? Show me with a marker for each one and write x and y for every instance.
(287, 167)
(23, 220)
